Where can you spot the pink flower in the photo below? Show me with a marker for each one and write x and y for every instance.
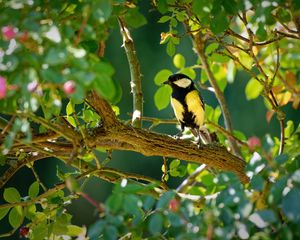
(69, 87)
(9, 32)
(2, 87)
(253, 142)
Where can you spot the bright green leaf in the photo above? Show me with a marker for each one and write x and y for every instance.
(253, 89)
(211, 48)
(162, 76)
(15, 216)
(162, 97)
(74, 231)
(11, 195)
(3, 212)
(179, 61)
(164, 19)
(190, 72)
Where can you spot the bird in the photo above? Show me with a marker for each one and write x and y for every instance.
(187, 104)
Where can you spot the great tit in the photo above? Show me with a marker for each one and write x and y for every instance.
(187, 103)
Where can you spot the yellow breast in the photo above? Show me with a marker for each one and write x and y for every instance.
(195, 106)
(178, 109)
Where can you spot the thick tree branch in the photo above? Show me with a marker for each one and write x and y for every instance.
(122, 137)
(135, 74)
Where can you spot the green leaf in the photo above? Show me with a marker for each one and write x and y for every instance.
(211, 48)
(74, 231)
(164, 200)
(174, 164)
(105, 86)
(70, 108)
(110, 233)
(15, 216)
(3, 212)
(162, 97)
(34, 189)
(190, 72)
(289, 129)
(155, 223)
(162, 6)
(11, 195)
(230, 6)
(179, 61)
(253, 89)
(114, 202)
(134, 18)
(164, 19)
(291, 206)
(56, 56)
(231, 71)
(102, 10)
(219, 23)
(170, 48)
(281, 159)
(162, 76)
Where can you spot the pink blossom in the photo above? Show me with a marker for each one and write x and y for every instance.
(9, 32)
(253, 142)
(2, 87)
(69, 87)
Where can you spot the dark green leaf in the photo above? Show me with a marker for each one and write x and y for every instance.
(102, 10)
(170, 48)
(134, 18)
(155, 223)
(291, 206)
(162, 6)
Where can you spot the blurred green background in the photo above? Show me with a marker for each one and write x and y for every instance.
(247, 116)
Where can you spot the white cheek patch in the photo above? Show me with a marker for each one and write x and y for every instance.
(183, 83)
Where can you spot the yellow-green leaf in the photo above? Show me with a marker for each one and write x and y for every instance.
(179, 61)
(162, 76)
(162, 97)
(34, 189)
(11, 195)
(253, 89)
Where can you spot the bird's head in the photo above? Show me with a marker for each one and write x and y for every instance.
(179, 80)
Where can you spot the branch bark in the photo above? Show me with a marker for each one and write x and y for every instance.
(135, 74)
(122, 137)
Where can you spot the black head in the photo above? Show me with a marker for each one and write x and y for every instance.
(179, 80)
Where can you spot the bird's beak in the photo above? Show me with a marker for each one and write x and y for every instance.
(167, 82)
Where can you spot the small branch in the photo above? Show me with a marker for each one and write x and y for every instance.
(199, 47)
(83, 25)
(135, 74)
(190, 180)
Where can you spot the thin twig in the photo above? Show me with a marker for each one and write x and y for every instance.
(135, 74)
(191, 179)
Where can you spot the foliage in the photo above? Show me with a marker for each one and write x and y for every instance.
(52, 57)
